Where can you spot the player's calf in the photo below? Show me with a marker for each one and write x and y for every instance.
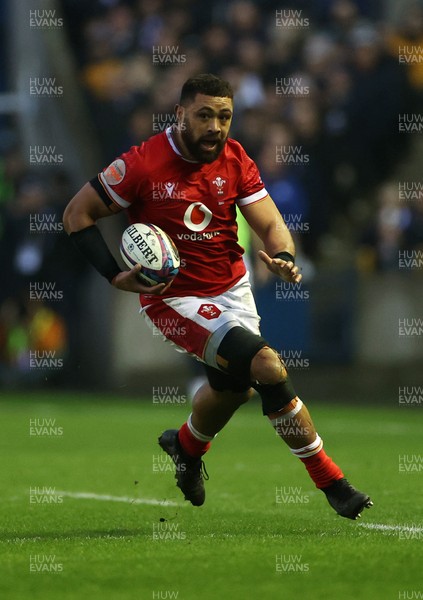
(211, 411)
(290, 417)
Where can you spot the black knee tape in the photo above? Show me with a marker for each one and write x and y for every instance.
(222, 382)
(237, 350)
(275, 397)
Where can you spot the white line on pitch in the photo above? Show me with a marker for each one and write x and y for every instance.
(381, 527)
(124, 499)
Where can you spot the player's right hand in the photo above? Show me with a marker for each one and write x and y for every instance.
(128, 281)
(286, 270)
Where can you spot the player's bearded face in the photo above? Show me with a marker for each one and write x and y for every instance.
(205, 127)
(202, 147)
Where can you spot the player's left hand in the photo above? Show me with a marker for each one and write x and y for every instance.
(286, 270)
(128, 281)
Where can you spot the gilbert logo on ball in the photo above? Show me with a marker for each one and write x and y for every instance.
(153, 249)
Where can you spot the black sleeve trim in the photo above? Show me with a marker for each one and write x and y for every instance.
(95, 182)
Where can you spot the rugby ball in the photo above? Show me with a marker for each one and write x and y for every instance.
(152, 248)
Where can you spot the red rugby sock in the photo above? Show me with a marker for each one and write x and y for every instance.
(322, 469)
(191, 444)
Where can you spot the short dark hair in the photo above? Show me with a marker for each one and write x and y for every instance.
(205, 83)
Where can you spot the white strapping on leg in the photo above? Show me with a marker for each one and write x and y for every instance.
(309, 450)
(199, 436)
(289, 415)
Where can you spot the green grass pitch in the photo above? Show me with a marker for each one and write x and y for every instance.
(264, 532)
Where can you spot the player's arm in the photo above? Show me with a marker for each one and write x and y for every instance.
(79, 220)
(267, 222)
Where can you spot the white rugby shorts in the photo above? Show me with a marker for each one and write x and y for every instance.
(198, 325)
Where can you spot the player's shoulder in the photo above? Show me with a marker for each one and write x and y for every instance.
(236, 151)
(148, 151)
(150, 145)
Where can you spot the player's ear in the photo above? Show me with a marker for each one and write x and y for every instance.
(180, 113)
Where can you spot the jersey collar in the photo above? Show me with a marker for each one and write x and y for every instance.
(174, 147)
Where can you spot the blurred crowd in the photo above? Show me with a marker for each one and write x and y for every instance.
(319, 80)
(318, 90)
(39, 275)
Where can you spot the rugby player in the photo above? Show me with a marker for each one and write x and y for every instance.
(206, 175)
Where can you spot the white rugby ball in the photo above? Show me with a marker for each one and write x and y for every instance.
(153, 249)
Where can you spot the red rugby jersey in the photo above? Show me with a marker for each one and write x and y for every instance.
(194, 203)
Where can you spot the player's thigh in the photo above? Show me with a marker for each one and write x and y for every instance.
(196, 325)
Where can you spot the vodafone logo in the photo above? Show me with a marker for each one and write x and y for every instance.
(197, 216)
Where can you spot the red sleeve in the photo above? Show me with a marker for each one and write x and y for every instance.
(251, 187)
(121, 180)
